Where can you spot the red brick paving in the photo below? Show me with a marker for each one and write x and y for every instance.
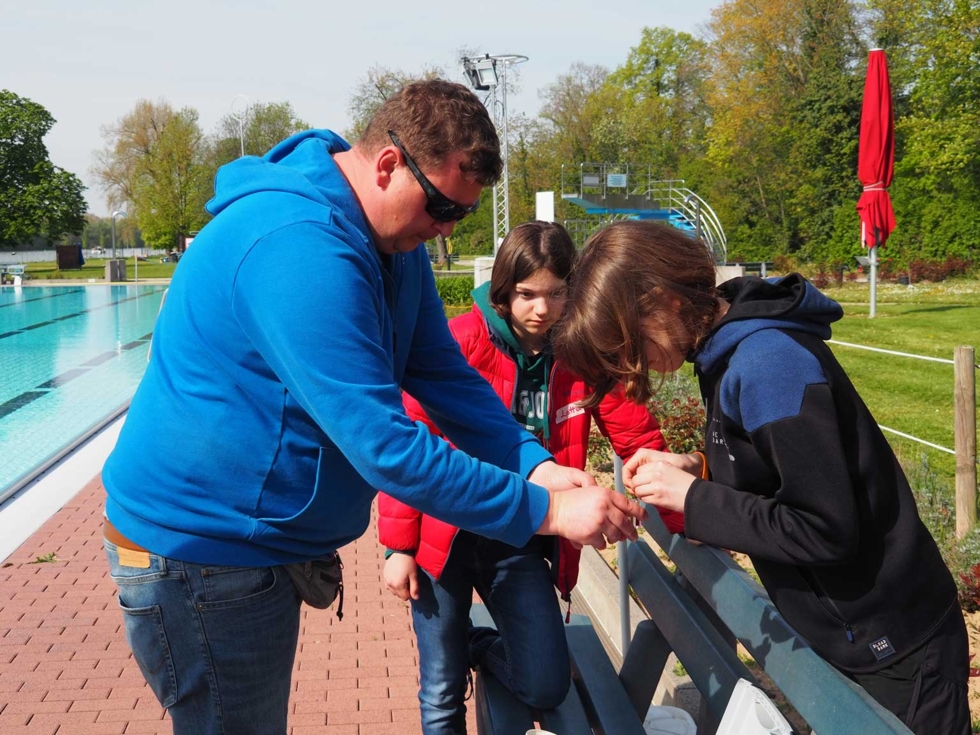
(65, 668)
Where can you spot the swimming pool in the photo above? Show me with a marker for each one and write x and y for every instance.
(69, 357)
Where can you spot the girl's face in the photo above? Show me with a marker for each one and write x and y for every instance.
(667, 344)
(535, 305)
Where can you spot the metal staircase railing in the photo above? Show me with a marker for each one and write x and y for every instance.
(632, 187)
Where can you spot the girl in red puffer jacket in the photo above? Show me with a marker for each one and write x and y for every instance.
(506, 338)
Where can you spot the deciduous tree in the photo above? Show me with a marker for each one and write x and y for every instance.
(266, 125)
(154, 163)
(37, 198)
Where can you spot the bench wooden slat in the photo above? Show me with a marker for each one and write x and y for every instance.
(644, 664)
(826, 699)
(569, 718)
(710, 661)
(609, 708)
(499, 711)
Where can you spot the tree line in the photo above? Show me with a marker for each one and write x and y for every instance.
(759, 114)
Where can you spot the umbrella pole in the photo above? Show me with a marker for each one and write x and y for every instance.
(873, 278)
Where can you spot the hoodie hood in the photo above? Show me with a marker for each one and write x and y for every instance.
(790, 302)
(500, 331)
(502, 337)
(301, 165)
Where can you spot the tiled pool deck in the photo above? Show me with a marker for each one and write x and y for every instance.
(65, 668)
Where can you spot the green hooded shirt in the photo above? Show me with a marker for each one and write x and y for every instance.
(530, 401)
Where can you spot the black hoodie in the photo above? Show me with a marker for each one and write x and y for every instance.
(804, 482)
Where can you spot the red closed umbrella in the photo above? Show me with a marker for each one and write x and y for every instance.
(876, 161)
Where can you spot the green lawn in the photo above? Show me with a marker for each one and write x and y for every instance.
(908, 395)
(95, 268)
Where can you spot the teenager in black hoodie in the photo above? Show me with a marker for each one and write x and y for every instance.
(800, 477)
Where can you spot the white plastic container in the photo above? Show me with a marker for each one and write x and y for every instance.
(751, 712)
(664, 720)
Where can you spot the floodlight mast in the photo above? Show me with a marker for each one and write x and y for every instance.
(240, 107)
(489, 73)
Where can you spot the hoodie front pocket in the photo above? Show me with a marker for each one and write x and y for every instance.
(338, 507)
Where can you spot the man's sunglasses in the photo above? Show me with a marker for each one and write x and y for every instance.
(438, 206)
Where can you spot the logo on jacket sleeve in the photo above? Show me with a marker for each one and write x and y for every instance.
(882, 648)
(567, 412)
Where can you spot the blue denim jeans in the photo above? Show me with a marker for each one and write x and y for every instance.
(215, 643)
(529, 654)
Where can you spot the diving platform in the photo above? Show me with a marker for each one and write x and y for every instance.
(607, 192)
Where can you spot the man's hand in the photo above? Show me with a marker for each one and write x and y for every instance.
(553, 476)
(591, 515)
(661, 482)
(402, 576)
(693, 464)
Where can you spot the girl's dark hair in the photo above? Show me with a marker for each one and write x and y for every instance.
(628, 273)
(526, 249)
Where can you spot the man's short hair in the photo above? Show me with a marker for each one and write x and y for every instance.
(434, 119)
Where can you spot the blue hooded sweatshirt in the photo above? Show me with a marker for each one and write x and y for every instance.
(270, 410)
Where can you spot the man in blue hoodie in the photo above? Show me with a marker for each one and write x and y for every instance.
(289, 328)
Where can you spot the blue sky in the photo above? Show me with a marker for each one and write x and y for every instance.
(88, 62)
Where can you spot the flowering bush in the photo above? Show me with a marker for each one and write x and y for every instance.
(681, 422)
(677, 406)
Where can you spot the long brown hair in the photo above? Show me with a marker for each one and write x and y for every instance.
(526, 249)
(628, 273)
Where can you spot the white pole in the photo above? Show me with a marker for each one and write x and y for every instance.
(506, 149)
(622, 549)
(873, 254)
(499, 188)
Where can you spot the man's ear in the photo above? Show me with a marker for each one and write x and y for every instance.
(385, 162)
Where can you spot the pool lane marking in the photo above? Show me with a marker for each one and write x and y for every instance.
(41, 298)
(69, 316)
(46, 387)
(19, 401)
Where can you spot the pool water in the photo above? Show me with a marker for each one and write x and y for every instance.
(69, 357)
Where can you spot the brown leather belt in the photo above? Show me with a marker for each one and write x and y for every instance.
(111, 534)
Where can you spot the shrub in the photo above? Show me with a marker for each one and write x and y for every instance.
(970, 589)
(455, 290)
(821, 279)
(682, 424)
(677, 406)
(599, 452)
(784, 264)
(935, 271)
(934, 498)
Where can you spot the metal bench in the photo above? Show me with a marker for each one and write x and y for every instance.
(696, 612)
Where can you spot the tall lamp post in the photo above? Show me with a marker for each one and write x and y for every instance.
(489, 73)
(117, 213)
(240, 107)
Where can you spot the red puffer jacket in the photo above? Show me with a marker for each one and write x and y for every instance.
(628, 426)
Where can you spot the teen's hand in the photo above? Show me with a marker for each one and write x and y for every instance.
(591, 515)
(402, 576)
(693, 464)
(661, 483)
(553, 476)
